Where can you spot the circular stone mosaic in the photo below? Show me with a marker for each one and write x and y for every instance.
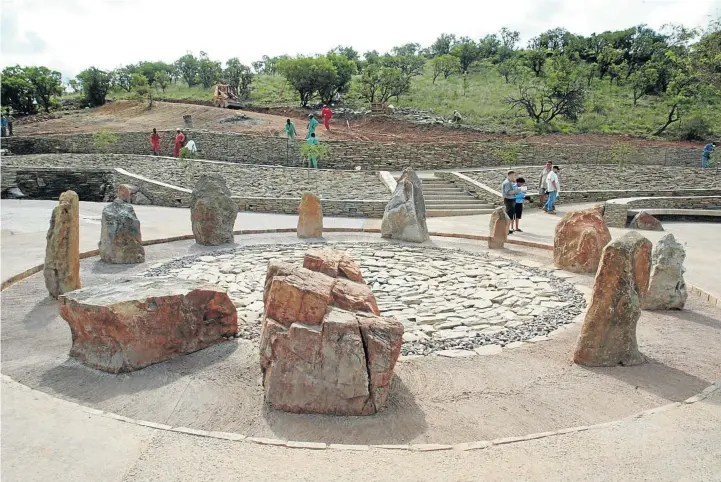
(447, 299)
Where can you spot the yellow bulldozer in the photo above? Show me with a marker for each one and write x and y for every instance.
(225, 96)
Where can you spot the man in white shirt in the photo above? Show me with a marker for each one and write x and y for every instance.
(191, 146)
(542, 183)
(552, 187)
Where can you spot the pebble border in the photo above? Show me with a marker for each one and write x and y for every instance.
(428, 447)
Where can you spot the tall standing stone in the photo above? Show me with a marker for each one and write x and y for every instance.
(498, 228)
(405, 215)
(579, 240)
(608, 335)
(212, 212)
(120, 239)
(667, 288)
(310, 217)
(62, 253)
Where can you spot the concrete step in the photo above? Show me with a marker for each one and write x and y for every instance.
(448, 197)
(427, 192)
(431, 213)
(445, 207)
(452, 200)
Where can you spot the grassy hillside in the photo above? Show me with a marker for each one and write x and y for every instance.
(609, 108)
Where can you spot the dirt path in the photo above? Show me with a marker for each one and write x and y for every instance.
(133, 116)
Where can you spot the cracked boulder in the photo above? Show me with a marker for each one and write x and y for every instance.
(120, 240)
(404, 218)
(132, 323)
(62, 252)
(608, 334)
(323, 347)
(579, 240)
(212, 212)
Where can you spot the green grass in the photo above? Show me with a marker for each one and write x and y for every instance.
(609, 108)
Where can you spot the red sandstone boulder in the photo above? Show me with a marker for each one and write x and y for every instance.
(310, 217)
(342, 364)
(579, 240)
(608, 335)
(133, 323)
(498, 228)
(333, 263)
(646, 222)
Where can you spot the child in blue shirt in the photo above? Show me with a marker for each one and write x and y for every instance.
(520, 182)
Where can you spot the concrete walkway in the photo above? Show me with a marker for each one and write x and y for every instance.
(44, 438)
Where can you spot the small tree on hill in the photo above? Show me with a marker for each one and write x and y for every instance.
(209, 71)
(187, 66)
(162, 80)
(445, 65)
(95, 84)
(47, 84)
(379, 84)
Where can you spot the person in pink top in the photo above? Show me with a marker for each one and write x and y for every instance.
(326, 113)
(155, 142)
(179, 139)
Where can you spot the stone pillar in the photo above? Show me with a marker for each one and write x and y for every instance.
(498, 227)
(608, 335)
(404, 218)
(212, 212)
(188, 121)
(310, 217)
(62, 253)
(667, 288)
(120, 240)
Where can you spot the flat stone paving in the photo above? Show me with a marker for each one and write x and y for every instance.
(450, 301)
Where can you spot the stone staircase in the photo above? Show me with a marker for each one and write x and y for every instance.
(443, 198)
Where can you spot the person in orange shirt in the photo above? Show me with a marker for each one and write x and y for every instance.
(326, 113)
(155, 142)
(179, 139)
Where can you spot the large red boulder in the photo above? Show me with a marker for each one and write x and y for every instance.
(579, 240)
(608, 335)
(132, 323)
(341, 364)
(333, 263)
(645, 221)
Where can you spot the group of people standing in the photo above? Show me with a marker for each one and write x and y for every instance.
(180, 142)
(310, 137)
(514, 193)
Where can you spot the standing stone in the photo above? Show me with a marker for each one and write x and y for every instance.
(126, 192)
(667, 288)
(608, 335)
(120, 240)
(212, 212)
(579, 240)
(188, 121)
(405, 215)
(310, 217)
(645, 221)
(62, 253)
(498, 228)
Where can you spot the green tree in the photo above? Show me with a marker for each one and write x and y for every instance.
(706, 56)
(345, 68)
(122, 78)
(17, 91)
(535, 59)
(309, 75)
(239, 76)
(209, 71)
(379, 83)
(510, 69)
(188, 67)
(162, 80)
(258, 66)
(95, 84)
(443, 45)
(46, 84)
(467, 52)
(683, 90)
(407, 50)
(445, 65)
(642, 81)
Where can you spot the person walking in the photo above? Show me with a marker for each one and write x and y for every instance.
(4, 126)
(706, 156)
(179, 140)
(542, 193)
(509, 189)
(155, 142)
(312, 159)
(326, 113)
(312, 124)
(552, 187)
(289, 129)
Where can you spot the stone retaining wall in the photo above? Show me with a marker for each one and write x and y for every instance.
(373, 156)
(95, 185)
(616, 210)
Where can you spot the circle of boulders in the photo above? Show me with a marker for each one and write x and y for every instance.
(447, 299)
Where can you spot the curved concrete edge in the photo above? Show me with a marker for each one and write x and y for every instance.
(94, 252)
(294, 444)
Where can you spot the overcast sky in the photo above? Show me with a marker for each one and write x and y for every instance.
(70, 35)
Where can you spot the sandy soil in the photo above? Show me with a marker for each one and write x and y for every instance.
(133, 116)
(533, 388)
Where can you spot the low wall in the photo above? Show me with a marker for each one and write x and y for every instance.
(616, 210)
(373, 156)
(95, 185)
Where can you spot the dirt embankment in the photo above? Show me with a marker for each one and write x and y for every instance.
(134, 116)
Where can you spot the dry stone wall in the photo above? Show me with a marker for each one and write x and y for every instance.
(616, 211)
(250, 149)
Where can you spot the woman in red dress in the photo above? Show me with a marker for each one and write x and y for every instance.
(155, 142)
(179, 139)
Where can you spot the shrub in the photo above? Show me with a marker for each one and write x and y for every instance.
(186, 153)
(103, 139)
(591, 122)
(696, 128)
(320, 151)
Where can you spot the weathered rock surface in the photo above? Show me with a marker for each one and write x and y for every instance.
(608, 335)
(131, 194)
(405, 215)
(310, 217)
(132, 323)
(667, 288)
(498, 228)
(120, 239)
(579, 240)
(333, 263)
(62, 253)
(323, 349)
(645, 221)
(212, 212)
